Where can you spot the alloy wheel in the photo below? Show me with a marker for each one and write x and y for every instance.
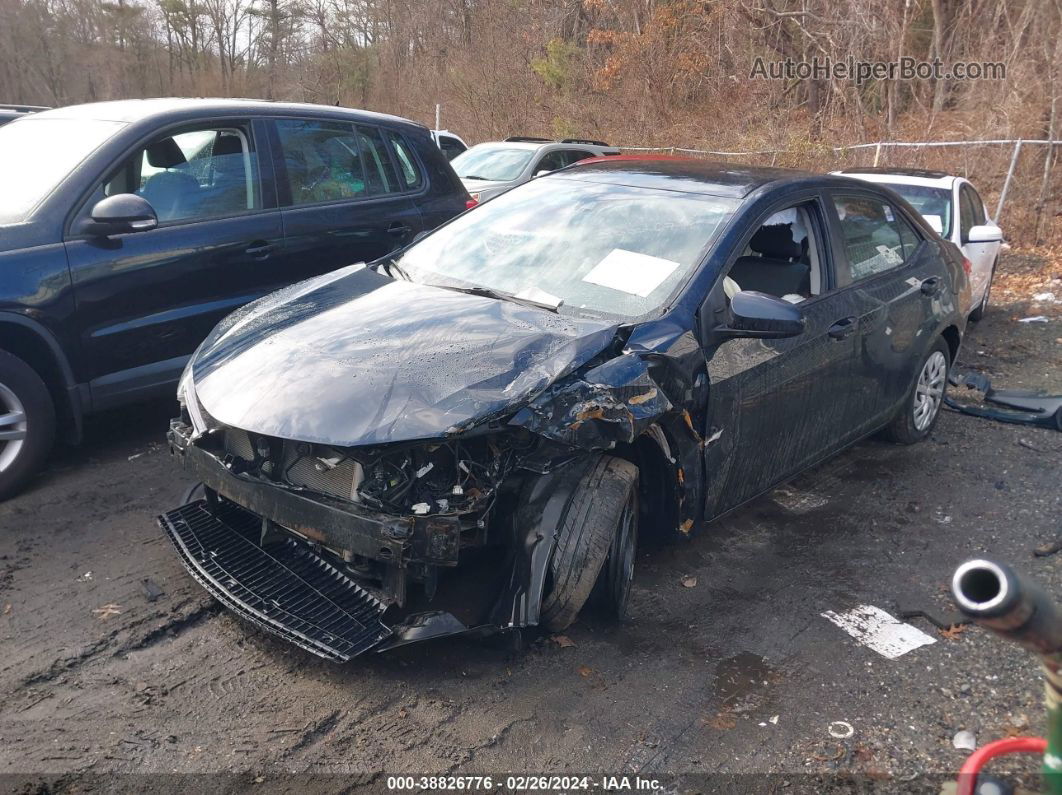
(13, 427)
(929, 391)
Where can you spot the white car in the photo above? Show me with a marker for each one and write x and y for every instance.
(450, 143)
(489, 169)
(953, 207)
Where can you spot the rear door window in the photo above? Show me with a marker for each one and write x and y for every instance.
(408, 169)
(379, 170)
(872, 238)
(323, 160)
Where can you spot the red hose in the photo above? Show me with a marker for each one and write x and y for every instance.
(979, 758)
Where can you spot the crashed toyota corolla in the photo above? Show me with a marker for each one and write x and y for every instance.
(470, 435)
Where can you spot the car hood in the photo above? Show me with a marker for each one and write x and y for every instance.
(357, 358)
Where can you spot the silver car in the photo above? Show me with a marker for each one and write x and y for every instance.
(490, 169)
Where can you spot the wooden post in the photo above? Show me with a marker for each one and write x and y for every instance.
(877, 154)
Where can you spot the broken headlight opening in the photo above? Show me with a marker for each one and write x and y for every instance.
(454, 477)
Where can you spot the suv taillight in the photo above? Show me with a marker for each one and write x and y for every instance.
(470, 202)
(967, 265)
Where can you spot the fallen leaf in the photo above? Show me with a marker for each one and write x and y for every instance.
(7, 609)
(585, 671)
(952, 632)
(402, 712)
(722, 721)
(563, 641)
(689, 582)
(105, 612)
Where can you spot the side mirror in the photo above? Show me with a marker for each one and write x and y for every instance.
(120, 214)
(984, 233)
(763, 316)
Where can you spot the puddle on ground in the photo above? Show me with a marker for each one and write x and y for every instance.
(743, 684)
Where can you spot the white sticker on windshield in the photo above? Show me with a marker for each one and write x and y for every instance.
(631, 272)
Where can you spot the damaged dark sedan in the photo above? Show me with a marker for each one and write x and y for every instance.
(471, 435)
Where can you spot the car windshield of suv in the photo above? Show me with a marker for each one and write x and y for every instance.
(36, 154)
(582, 247)
(494, 162)
(933, 204)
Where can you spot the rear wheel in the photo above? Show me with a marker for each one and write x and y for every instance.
(601, 524)
(27, 423)
(921, 407)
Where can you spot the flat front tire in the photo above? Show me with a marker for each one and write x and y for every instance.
(921, 408)
(603, 508)
(27, 423)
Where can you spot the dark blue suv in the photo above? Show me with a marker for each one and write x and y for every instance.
(128, 229)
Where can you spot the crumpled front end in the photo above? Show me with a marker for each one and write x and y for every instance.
(316, 543)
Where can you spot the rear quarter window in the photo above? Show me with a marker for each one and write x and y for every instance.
(408, 169)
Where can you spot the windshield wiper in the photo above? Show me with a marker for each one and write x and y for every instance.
(475, 176)
(487, 292)
(393, 269)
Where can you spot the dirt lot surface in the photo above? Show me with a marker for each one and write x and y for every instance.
(727, 666)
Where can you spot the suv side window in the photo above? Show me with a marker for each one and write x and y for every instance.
(575, 155)
(872, 237)
(450, 146)
(407, 164)
(194, 175)
(323, 160)
(379, 170)
(966, 214)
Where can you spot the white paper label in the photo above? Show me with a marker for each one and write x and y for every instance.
(631, 272)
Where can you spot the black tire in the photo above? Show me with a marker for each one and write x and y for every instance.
(982, 307)
(904, 429)
(21, 381)
(585, 538)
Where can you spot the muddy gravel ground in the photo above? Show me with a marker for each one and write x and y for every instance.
(727, 665)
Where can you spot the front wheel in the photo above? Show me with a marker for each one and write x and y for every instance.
(600, 524)
(27, 423)
(921, 407)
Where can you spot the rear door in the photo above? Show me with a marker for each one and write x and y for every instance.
(343, 197)
(146, 299)
(892, 280)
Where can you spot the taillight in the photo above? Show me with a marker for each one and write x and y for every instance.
(967, 265)
(472, 201)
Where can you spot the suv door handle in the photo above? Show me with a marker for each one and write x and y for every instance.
(259, 249)
(843, 328)
(399, 229)
(931, 286)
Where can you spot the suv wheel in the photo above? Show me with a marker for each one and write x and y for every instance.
(27, 423)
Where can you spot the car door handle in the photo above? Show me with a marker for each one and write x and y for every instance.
(398, 229)
(259, 249)
(931, 286)
(844, 328)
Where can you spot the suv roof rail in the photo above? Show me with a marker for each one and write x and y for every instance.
(24, 108)
(527, 139)
(590, 141)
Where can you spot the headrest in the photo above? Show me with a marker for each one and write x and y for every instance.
(227, 145)
(165, 154)
(775, 241)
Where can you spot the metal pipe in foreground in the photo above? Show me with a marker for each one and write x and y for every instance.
(993, 595)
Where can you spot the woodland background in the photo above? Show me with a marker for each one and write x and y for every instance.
(632, 72)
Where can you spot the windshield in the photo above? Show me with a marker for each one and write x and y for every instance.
(606, 250)
(36, 154)
(933, 204)
(495, 162)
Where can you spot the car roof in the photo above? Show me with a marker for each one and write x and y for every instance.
(180, 108)
(530, 145)
(911, 176)
(900, 172)
(688, 175)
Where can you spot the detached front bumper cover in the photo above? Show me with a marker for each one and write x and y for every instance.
(285, 589)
